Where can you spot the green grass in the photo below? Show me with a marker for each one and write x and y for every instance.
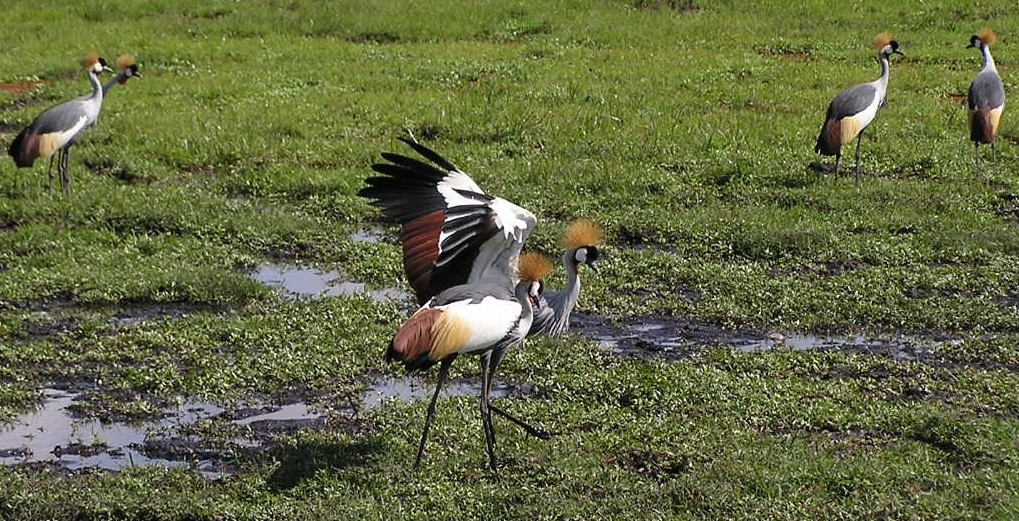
(685, 127)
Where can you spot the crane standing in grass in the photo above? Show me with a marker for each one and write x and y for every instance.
(986, 99)
(582, 239)
(483, 319)
(57, 129)
(854, 109)
(453, 233)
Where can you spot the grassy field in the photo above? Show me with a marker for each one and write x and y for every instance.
(685, 127)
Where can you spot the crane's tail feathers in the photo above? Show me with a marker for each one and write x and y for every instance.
(24, 149)
(412, 344)
(982, 126)
(829, 142)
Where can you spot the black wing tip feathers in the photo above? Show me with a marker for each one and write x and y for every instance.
(432, 155)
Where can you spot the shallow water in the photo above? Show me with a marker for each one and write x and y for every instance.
(679, 338)
(299, 282)
(52, 434)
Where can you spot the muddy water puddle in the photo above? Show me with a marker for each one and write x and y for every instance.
(54, 434)
(677, 338)
(306, 282)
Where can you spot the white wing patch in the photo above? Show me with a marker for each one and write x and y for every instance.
(54, 141)
(491, 320)
(512, 219)
(865, 116)
(460, 181)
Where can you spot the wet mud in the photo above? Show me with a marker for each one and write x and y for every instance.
(675, 338)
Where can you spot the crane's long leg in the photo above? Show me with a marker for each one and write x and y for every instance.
(443, 373)
(976, 160)
(533, 431)
(65, 169)
(493, 363)
(49, 171)
(838, 159)
(859, 141)
(486, 412)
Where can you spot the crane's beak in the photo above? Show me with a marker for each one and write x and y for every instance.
(900, 53)
(594, 265)
(970, 46)
(106, 68)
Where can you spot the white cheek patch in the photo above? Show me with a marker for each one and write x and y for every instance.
(581, 255)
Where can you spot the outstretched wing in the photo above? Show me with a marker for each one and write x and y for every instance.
(452, 232)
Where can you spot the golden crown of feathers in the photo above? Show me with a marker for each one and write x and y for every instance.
(882, 40)
(125, 61)
(90, 60)
(584, 232)
(533, 266)
(988, 36)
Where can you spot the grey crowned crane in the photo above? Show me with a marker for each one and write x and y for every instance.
(482, 319)
(128, 68)
(582, 239)
(854, 109)
(453, 233)
(986, 99)
(57, 129)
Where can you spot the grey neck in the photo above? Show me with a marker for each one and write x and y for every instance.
(885, 69)
(988, 60)
(97, 87)
(572, 276)
(522, 294)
